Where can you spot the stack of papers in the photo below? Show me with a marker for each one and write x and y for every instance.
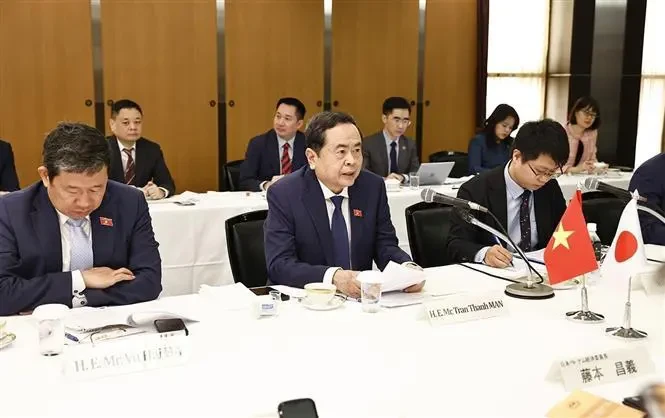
(399, 277)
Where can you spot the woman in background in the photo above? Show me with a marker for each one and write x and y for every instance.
(582, 129)
(491, 147)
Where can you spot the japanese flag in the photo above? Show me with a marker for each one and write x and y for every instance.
(626, 256)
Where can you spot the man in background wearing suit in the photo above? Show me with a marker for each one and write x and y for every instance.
(389, 153)
(76, 238)
(278, 152)
(523, 195)
(649, 182)
(8, 177)
(135, 160)
(330, 220)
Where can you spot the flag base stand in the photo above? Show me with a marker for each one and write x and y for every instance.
(529, 290)
(585, 316)
(627, 331)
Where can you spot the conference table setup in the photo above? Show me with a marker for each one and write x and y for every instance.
(192, 238)
(397, 362)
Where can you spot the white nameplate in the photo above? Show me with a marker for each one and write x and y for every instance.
(130, 355)
(466, 307)
(653, 282)
(603, 367)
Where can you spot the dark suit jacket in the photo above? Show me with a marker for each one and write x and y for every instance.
(8, 177)
(262, 159)
(649, 181)
(149, 165)
(376, 160)
(489, 189)
(31, 251)
(298, 240)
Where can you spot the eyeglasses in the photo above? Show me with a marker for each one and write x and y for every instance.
(547, 175)
(399, 121)
(590, 113)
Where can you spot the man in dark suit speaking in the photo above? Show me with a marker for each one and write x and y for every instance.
(330, 219)
(135, 160)
(76, 238)
(523, 195)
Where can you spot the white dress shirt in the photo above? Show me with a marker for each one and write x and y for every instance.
(280, 150)
(125, 159)
(78, 285)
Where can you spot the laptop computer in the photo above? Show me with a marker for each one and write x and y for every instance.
(434, 174)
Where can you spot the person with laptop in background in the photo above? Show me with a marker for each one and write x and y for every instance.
(523, 195)
(389, 153)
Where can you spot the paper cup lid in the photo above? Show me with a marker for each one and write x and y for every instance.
(50, 311)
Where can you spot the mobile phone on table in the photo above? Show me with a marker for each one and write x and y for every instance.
(636, 402)
(170, 325)
(298, 408)
(265, 290)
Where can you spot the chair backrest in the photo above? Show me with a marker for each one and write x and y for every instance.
(232, 175)
(605, 213)
(244, 242)
(427, 226)
(597, 194)
(461, 160)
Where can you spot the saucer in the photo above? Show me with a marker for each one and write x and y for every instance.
(6, 340)
(334, 303)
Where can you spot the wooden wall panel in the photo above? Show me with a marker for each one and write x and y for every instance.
(450, 75)
(273, 49)
(374, 56)
(45, 74)
(163, 55)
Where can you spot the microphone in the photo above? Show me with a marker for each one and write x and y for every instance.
(591, 183)
(429, 195)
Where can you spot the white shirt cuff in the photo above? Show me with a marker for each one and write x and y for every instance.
(166, 192)
(262, 186)
(411, 264)
(405, 179)
(78, 286)
(480, 255)
(328, 276)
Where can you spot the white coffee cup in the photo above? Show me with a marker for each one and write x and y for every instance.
(320, 293)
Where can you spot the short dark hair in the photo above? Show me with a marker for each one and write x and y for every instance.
(124, 104)
(585, 102)
(546, 137)
(292, 101)
(75, 148)
(500, 113)
(315, 134)
(392, 103)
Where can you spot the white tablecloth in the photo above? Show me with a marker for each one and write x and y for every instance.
(353, 364)
(193, 241)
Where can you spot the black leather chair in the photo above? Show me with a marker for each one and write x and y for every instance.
(597, 194)
(605, 212)
(461, 160)
(244, 243)
(427, 226)
(232, 175)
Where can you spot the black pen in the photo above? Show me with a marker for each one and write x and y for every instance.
(499, 242)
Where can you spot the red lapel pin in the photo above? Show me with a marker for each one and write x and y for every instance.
(357, 213)
(105, 221)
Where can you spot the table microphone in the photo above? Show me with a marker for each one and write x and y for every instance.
(591, 184)
(429, 195)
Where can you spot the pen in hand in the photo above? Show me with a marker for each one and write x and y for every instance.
(499, 242)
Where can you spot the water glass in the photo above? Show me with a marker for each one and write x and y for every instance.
(370, 290)
(51, 327)
(414, 181)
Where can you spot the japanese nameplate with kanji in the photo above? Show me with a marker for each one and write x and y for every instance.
(602, 367)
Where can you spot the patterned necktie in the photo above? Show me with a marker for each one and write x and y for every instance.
(129, 171)
(286, 160)
(340, 236)
(80, 247)
(393, 157)
(525, 222)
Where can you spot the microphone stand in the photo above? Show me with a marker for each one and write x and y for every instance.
(523, 290)
(627, 331)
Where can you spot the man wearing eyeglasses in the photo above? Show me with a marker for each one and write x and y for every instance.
(389, 153)
(523, 195)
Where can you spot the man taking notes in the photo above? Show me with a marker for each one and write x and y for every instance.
(389, 153)
(76, 238)
(278, 152)
(523, 195)
(135, 160)
(330, 219)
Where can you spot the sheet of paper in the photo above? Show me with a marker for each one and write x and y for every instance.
(453, 180)
(183, 197)
(514, 273)
(230, 297)
(399, 277)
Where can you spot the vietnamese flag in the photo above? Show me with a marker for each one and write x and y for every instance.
(570, 253)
